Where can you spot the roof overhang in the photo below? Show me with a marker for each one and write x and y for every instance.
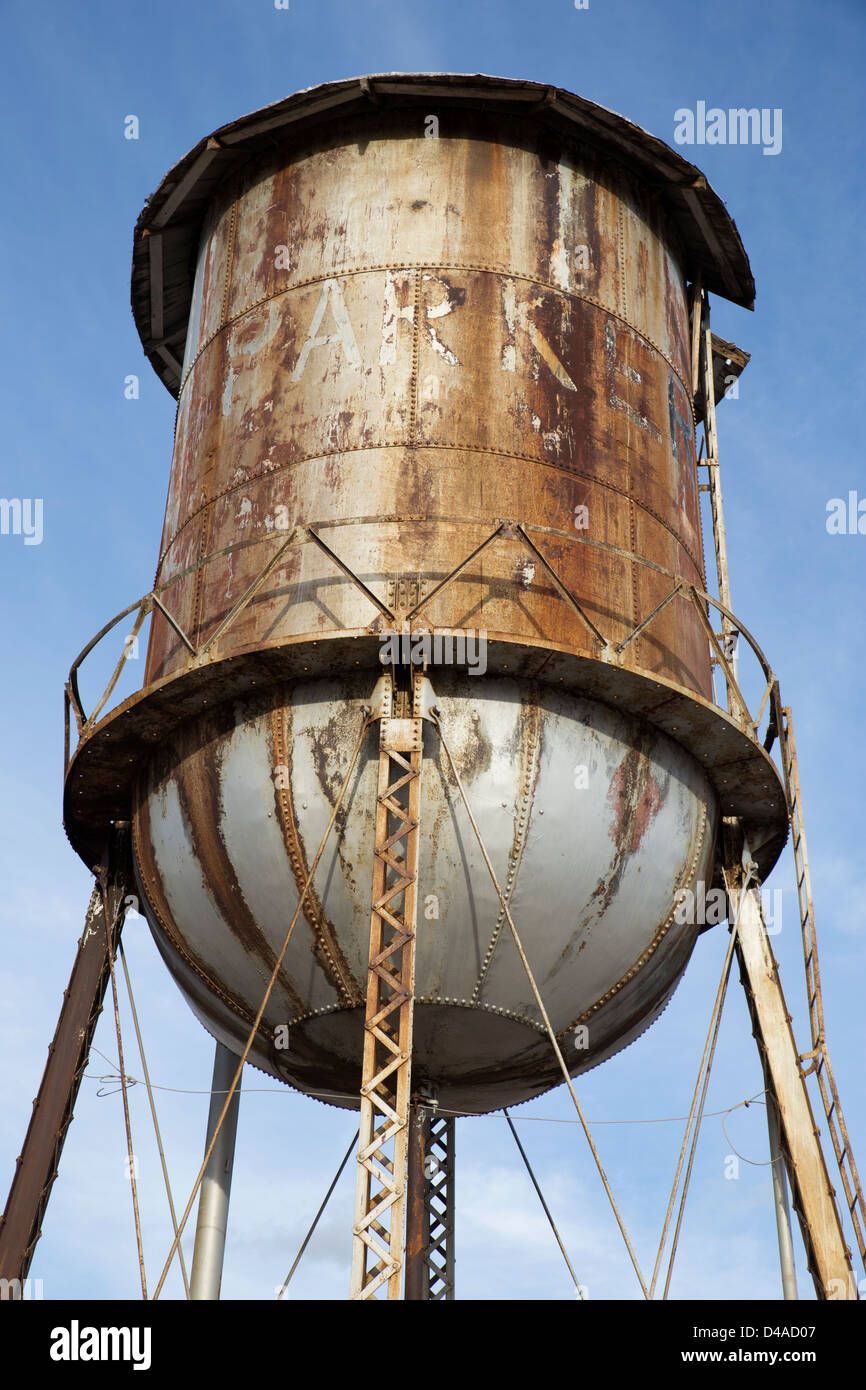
(168, 230)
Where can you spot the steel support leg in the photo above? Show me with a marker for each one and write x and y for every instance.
(430, 1213)
(380, 1198)
(828, 1256)
(213, 1203)
(417, 1239)
(36, 1169)
(439, 1209)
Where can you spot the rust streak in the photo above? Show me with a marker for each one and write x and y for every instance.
(157, 905)
(325, 945)
(197, 779)
(527, 756)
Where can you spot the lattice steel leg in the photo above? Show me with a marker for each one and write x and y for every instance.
(430, 1212)
(380, 1195)
(439, 1209)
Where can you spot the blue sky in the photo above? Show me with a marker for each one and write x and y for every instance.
(791, 441)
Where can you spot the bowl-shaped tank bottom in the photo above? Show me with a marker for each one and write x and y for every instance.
(593, 822)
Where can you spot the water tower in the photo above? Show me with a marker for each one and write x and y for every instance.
(429, 746)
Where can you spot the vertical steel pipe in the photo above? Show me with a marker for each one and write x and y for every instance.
(213, 1206)
(780, 1201)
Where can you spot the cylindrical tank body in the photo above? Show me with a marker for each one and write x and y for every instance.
(402, 334)
(412, 338)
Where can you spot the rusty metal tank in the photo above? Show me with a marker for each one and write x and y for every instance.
(412, 320)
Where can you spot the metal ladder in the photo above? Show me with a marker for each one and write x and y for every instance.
(818, 1058)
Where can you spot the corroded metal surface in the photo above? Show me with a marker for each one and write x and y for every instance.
(403, 352)
(607, 821)
(102, 771)
(341, 348)
(168, 230)
(398, 350)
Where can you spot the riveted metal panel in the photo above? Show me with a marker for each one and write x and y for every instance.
(399, 347)
(592, 821)
(492, 323)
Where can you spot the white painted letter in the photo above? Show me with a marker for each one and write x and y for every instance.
(332, 295)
